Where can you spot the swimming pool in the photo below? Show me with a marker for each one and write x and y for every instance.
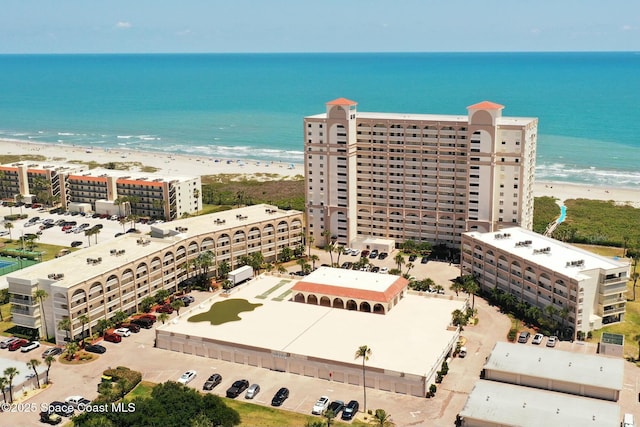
(4, 264)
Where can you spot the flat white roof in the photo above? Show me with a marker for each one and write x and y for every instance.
(224, 220)
(566, 366)
(160, 175)
(511, 405)
(556, 258)
(354, 279)
(519, 121)
(303, 329)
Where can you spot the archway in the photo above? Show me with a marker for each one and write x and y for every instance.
(365, 306)
(325, 302)
(312, 299)
(338, 303)
(351, 305)
(299, 297)
(378, 309)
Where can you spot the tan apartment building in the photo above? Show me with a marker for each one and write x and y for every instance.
(424, 177)
(103, 191)
(542, 271)
(116, 275)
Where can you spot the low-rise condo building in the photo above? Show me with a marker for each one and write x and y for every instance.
(586, 290)
(117, 275)
(104, 191)
(425, 177)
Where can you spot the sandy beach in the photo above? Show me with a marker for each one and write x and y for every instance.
(176, 164)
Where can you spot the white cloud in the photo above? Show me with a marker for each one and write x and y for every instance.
(124, 24)
(627, 28)
(185, 32)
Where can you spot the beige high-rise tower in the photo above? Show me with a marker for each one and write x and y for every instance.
(424, 177)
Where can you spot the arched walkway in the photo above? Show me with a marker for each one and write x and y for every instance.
(378, 308)
(325, 302)
(338, 303)
(351, 305)
(299, 297)
(364, 306)
(312, 299)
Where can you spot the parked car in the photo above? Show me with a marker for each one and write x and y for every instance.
(95, 348)
(17, 344)
(50, 418)
(350, 410)
(143, 322)
(187, 299)
(384, 270)
(373, 254)
(252, 391)
(552, 341)
(53, 351)
(76, 243)
(212, 381)
(78, 402)
(364, 253)
(524, 337)
(149, 316)
(131, 327)
(112, 337)
(346, 251)
(32, 345)
(164, 309)
(280, 396)
(336, 406)
(355, 252)
(187, 377)
(60, 408)
(412, 258)
(463, 352)
(383, 255)
(321, 405)
(123, 332)
(424, 260)
(5, 343)
(537, 339)
(237, 388)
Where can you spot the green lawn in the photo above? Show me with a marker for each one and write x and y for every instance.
(224, 311)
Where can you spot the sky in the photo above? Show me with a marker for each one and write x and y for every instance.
(171, 26)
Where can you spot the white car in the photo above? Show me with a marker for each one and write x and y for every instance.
(123, 332)
(321, 405)
(355, 252)
(187, 377)
(346, 251)
(537, 339)
(551, 342)
(30, 346)
(384, 270)
(5, 343)
(77, 401)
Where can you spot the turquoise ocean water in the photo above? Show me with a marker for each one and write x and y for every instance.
(251, 105)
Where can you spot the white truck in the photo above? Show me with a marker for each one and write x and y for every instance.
(241, 274)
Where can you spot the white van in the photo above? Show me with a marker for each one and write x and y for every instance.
(628, 421)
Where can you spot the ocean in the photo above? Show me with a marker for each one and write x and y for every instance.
(251, 106)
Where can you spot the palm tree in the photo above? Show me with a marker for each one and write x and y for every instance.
(329, 415)
(72, 349)
(301, 262)
(313, 259)
(471, 287)
(3, 387)
(177, 304)
(330, 248)
(65, 325)
(10, 374)
(41, 295)
(409, 267)
(457, 285)
(123, 221)
(33, 364)
(9, 226)
(84, 319)
(364, 352)
(48, 361)
(326, 234)
(399, 260)
(382, 419)
(310, 241)
(102, 325)
(340, 250)
(163, 317)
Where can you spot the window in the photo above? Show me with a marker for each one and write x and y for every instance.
(515, 186)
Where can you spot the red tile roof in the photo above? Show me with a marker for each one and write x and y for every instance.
(485, 105)
(319, 290)
(342, 101)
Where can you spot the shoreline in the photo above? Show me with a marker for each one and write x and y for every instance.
(184, 164)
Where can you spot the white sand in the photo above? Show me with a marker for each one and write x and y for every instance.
(168, 163)
(266, 170)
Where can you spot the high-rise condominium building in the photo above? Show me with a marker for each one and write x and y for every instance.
(425, 177)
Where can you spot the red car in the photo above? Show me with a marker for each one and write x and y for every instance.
(112, 337)
(164, 309)
(17, 344)
(151, 317)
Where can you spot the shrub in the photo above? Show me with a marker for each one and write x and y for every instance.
(15, 217)
(511, 336)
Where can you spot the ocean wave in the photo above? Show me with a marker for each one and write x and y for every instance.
(587, 175)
